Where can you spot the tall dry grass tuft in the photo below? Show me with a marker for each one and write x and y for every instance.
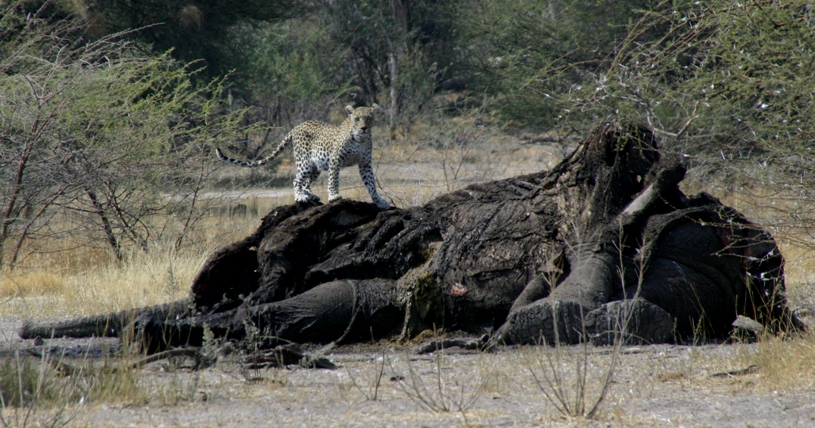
(784, 363)
(89, 281)
(436, 389)
(49, 390)
(369, 383)
(141, 279)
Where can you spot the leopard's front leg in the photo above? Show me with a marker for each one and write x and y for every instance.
(334, 179)
(367, 175)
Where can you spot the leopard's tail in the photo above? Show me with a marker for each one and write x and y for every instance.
(222, 156)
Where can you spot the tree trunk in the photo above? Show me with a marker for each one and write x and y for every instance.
(393, 92)
(11, 210)
(106, 225)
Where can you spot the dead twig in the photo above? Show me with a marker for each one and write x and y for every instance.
(753, 368)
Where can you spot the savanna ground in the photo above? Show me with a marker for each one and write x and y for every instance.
(768, 383)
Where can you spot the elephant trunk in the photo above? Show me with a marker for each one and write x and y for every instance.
(105, 325)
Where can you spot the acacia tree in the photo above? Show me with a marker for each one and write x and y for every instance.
(394, 49)
(290, 70)
(193, 30)
(527, 55)
(96, 137)
(728, 86)
(30, 188)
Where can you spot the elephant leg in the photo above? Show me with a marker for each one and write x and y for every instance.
(560, 317)
(156, 334)
(545, 321)
(328, 312)
(632, 321)
(550, 321)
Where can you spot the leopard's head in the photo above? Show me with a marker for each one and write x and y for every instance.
(362, 118)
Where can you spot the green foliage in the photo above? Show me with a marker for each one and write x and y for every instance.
(194, 31)
(394, 51)
(295, 59)
(729, 85)
(528, 54)
(290, 68)
(99, 133)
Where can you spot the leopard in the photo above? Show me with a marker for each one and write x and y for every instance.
(319, 147)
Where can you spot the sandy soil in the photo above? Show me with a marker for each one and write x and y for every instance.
(662, 385)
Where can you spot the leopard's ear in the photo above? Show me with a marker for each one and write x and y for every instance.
(350, 109)
(375, 106)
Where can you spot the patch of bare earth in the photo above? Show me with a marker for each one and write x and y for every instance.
(386, 385)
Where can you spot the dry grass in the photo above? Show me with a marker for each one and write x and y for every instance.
(785, 364)
(141, 280)
(88, 281)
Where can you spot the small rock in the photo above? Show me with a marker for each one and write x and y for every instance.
(747, 329)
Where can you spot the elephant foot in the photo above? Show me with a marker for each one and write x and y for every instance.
(154, 334)
(628, 322)
(543, 322)
(480, 344)
(550, 322)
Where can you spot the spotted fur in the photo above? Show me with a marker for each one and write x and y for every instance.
(320, 147)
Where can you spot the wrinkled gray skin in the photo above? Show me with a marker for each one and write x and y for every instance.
(604, 247)
(691, 271)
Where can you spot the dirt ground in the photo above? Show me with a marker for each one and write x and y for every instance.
(384, 385)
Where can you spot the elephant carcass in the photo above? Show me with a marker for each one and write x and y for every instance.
(655, 275)
(599, 227)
